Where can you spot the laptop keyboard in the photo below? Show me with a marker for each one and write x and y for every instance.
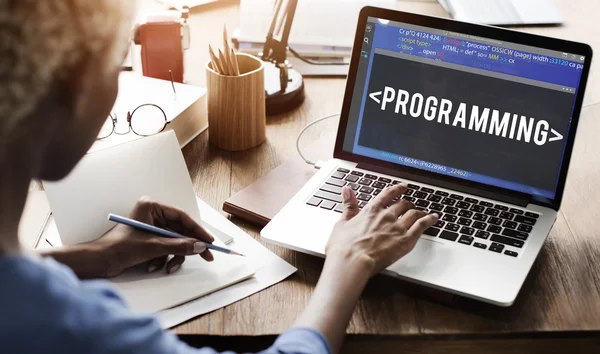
(465, 220)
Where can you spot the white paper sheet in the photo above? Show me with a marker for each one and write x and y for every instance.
(270, 269)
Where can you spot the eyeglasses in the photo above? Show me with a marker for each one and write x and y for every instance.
(146, 120)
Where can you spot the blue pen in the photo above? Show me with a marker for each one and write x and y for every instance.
(164, 233)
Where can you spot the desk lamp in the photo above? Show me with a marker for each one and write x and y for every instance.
(284, 86)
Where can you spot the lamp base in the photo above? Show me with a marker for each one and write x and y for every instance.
(278, 101)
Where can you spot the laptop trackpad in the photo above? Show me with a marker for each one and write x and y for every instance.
(429, 257)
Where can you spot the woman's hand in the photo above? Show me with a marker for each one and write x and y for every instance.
(383, 232)
(124, 247)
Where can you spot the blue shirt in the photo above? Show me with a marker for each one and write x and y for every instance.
(45, 308)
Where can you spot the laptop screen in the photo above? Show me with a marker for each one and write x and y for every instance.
(475, 108)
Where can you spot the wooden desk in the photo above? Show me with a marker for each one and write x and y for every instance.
(558, 309)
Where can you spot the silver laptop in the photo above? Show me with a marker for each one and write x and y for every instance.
(479, 121)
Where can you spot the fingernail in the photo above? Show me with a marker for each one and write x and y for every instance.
(152, 268)
(174, 269)
(199, 247)
(346, 193)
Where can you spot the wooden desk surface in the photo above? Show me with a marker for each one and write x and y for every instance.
(561, 295)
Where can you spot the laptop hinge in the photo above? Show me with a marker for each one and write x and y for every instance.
(502, 195)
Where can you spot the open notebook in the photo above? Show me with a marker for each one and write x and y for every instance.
(111, 181)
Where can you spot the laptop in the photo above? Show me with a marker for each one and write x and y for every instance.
(479, 121)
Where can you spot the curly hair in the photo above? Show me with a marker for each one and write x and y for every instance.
(41, 40)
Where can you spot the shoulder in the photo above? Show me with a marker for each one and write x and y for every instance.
(46, 306)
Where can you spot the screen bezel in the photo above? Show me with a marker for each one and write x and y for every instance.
(480, 31)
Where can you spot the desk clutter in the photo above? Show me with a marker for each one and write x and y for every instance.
(154, 166)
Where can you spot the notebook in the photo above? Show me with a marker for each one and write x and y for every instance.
(34, 218)
(112, 180)
(504, 12)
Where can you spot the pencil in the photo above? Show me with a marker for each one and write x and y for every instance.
(164, 233)
(217, 65)
(226, 47)
(224, 63)
(236, 67)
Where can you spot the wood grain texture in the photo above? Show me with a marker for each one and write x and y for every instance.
(560, 298)
(236, 105)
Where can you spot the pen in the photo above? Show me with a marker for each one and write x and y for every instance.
(164, 233)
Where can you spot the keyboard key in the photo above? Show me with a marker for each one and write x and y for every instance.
(495, 221)
(511, 253)
(479, 225)
(456, 196)
(486, 204)
(420, 195)
(395, 182)
(480, 245)
(379, 185)
(465, 240)
(343, 170)
(442, 193)
(464, 222)
(427, 190)
(329, 196)
(440, 223)
(409, 192)
(314, 201)
(463, 205)
(370, 176)
(492, 212)
(448, 201)
(471, 200)
(467, 231)
(365, 181)
(364, 197)
(410, 199)
(352, 178)
(336, 182)
(532, 215)
(450, 218)
(465, 213)
(338, 175)
(480, 217)
(432, 231)
(385, 180)
(516, 211)
(436, 207)
(366, 189)
(477, 208)
(421, 209)
(327, 205)
(525, 220)
(482, 234)
(422, 203)
(496, 247)
(447, 235)
(506, 215)
(357, 173)
(362, 204)
(339, 208)
(510, 224)
(354, 186)
(516, 234)
(434, 198)
(376, 192)
(450, 210)
(501, 207)
(452, 227)
(525, 228)
(494, 229)
(507, 241)
(331, 189)
(413, 186)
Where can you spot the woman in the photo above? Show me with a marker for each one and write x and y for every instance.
(59, 65)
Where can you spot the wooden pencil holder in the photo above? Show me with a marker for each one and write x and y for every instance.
(236, 105)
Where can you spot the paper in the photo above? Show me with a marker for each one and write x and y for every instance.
(113, 180)
(34, 218)
(269, 270)
(316, 22)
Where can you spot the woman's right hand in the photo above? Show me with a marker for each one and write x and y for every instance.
(378, 235)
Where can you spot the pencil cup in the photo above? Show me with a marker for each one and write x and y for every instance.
(236, 105)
